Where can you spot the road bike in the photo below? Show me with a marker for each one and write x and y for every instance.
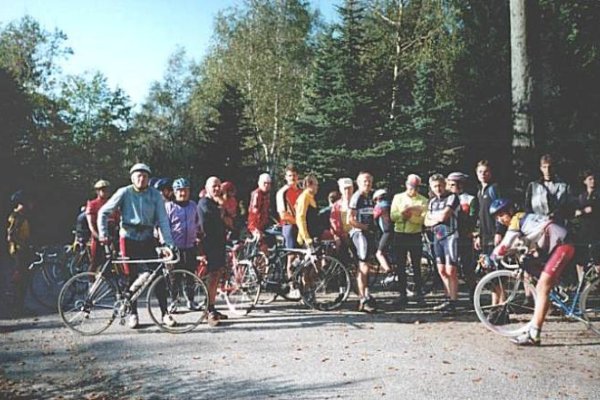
(505, 299)
(89, 302)
(47, 276)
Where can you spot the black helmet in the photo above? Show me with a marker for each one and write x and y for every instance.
(499, 205)
(162, 183)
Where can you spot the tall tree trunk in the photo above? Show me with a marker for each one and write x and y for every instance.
(522, 90)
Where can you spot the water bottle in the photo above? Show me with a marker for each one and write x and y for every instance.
(139, 282)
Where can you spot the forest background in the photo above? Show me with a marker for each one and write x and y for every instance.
(391, 86)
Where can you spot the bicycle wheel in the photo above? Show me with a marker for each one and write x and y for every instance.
(589, 304)
(86, 303)
(186, 300)
(242, 288)
(46, 283)
(324, 285)
(501, 302)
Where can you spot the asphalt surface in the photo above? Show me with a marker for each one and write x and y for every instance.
(285, 351)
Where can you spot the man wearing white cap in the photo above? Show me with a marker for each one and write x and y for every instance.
(408, 213)
(142, 209)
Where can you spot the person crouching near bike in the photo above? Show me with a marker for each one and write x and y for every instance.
(102, 188)
(551, 240)
(213, 242)
(141, 208)
(184, 220)
(19, 245)
(441, 216)
(361, 220)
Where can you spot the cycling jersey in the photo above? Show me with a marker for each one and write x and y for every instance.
(286, 203)
(307, 217)
(533, 229)
(437, 206)
(402, 201)
(19, 232)
(183, 218)
(547, 198)
(258, 211)
(466, 215)
(339, 220)
(141, 211)
(363, 205)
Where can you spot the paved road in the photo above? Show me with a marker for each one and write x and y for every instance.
(284, 351)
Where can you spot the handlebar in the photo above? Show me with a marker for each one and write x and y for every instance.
(172, 258)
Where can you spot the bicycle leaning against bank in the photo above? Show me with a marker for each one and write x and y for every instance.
(90, 302)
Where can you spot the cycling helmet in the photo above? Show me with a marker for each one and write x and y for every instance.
(228, 187)
(18, 197)
(180, 183)
(499, 205)
(101, 184)
(379, 193)
(162, 183)
(140, 167)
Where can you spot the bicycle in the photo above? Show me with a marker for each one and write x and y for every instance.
(78, 256)
(90, 302)
(239, 285)
(501, 297)
(47, 276)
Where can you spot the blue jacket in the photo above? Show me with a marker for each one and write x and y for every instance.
(140, 213)
(183, 218)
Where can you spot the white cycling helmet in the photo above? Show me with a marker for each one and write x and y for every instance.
(140, 167)
(378, 193)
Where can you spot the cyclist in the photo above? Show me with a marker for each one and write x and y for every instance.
(490, 231)
(361, 220)
(307, 214)
(551, 240)
(339, 220)
(82, 229)
(91, 212)
(588, 214)
(548, 195)
(408, 213)
(381, 216)
(141, 208)
(19, 244)
(442, 213)
(325, 214)
(183, 218)
(286, 208)
(258, 208)
(229, 205)
(466, 225)
(165, 187)
(213, 243)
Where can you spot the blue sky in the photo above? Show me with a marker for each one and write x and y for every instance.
(129, 41)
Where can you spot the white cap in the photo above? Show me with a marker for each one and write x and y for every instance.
(344, 183)
(457, 176)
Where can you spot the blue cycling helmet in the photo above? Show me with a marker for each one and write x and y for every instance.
(18, 197)
(180, 183)
(162, 183)
(499, 205)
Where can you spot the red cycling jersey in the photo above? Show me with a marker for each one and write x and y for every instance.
(258, 211)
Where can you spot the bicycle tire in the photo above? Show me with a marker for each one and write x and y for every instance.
(589, 304)
(242, 288)
(512, 316)
(46, 283)
(325, 285)
(86, 303)
(181, 286)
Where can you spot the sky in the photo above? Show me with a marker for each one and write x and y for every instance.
(129, 41)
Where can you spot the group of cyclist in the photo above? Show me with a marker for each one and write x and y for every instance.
(368, 227)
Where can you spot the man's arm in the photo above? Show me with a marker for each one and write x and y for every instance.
(106, 210)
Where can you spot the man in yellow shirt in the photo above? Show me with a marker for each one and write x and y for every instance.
(408, 213)
(307, 214)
